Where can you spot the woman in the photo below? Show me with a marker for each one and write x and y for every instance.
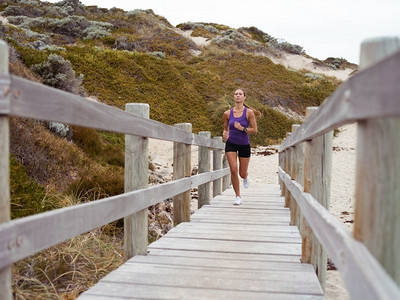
(238, 123)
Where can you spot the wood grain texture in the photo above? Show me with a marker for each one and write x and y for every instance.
(5, 271)
(226, 180)
(199, 259)
(34, 233)
(136, 177)
(204, 161)
(377, 210)
(362, 274)
(217, 165)
(37, 101)
(182, 168)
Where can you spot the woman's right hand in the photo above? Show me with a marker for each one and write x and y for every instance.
(225, 135)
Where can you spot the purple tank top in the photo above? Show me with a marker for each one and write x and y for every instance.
(235, 135)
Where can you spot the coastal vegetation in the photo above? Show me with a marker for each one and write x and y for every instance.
(117, 57)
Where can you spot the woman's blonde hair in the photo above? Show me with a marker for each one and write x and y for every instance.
(256, 112)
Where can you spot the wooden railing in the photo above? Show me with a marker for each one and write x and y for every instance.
(23, 237)
(370, 261)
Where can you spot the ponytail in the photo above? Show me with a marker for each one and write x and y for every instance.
(257, 113)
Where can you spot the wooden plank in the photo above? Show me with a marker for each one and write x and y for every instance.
(242, 219)
(256, 229)
(215, 210)
(235, 236)
(227, 246)
(215, 278)
(160, 291)
(227, 256)
(378, 84)
(217, 261)
(37, 101)
(224, 264)
(363, 275)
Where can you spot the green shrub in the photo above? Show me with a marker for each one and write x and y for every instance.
(27, 196)
(57, 72)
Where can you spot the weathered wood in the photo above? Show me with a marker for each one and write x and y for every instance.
(288, 159)
(34, 233)
(317, 175)
(5, 271)
(281, 157)
(182, 168)
(377, 209)
(136, 177)
(226, 181)
(204, 160)
(222, 255)
(363, 275)
(378, 84)
(37, 101)
(217, 164)
(306, 232)
(293, 173)
(213, 260)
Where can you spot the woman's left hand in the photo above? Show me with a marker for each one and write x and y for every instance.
(238, 126)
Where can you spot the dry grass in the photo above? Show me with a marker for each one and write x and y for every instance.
(66, 270)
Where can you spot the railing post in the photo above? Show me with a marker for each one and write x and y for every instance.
(182, 168)
(286, 165)
(226, 180)
(136, 177)
(204, 166)
(376, 220)
(317, 177)
(5, 273)
(217, 165)
(281, 159)
(293, 174)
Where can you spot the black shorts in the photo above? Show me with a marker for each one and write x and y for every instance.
(243, 150)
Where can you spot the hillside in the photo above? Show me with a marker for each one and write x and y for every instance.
(185, 73)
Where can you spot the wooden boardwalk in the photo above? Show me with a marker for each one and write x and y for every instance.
(226, 252)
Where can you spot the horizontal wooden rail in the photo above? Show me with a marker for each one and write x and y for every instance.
(23, 98)
(365, 278)
(23, 237)
(378, 83)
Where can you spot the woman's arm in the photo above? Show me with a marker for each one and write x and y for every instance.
(253, 123)
(225, 134)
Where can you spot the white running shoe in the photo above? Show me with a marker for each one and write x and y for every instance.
(237, 201)
(246, 182)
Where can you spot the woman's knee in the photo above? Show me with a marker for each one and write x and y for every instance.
(234, 170)
(243, 174)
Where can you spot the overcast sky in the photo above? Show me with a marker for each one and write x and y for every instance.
(324, 28)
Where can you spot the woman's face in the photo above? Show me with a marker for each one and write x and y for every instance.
(239, 96)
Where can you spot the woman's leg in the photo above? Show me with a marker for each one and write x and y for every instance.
(243, 166)
(233, 165)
